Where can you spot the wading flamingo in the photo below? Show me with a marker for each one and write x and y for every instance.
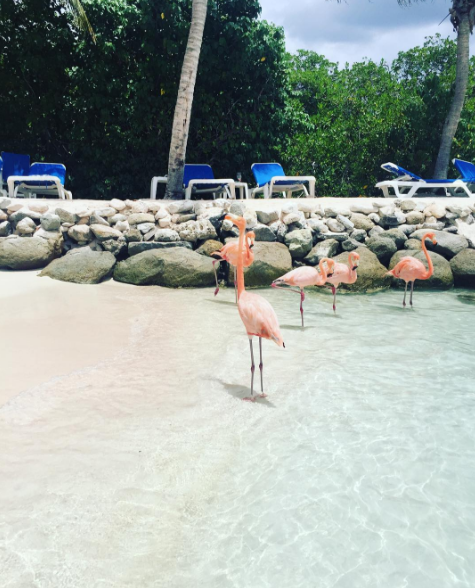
(256, 313)
(344, 274)
(302, 277)
(410, 268)
(229, 253)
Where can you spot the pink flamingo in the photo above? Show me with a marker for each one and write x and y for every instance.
(229, 253)
(306, 276)
(344, 274)
(410, 269)
(256, 313)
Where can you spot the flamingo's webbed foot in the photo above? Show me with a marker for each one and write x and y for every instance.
(250, 399)
(216, 291)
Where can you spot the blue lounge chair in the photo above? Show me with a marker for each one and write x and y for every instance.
(466, 171)
(271, 178)
(199, 179)
(407, 184)
(39, 178)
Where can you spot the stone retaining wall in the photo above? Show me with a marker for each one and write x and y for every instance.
(170, 243)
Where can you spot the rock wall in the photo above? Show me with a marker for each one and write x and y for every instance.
(170, 243)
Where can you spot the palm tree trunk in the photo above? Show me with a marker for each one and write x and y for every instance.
(181, 119)
(461, 82)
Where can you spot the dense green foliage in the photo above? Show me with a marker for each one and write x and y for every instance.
(105, 110)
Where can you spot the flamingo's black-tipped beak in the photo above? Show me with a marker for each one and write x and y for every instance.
(251, 246)
(355, 267)
(330, 275)
(283, 344)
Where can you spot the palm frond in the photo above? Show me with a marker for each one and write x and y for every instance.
(80, 17)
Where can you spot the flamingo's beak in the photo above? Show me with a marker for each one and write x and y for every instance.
(329, 275)
(251, 246)
(355, 267)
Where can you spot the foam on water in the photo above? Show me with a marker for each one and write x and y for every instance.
(148, 470)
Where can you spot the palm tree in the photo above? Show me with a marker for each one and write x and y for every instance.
(181, 119)
(79, 15)
(462, 16)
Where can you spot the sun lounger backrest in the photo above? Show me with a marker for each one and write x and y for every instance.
(264, 172)
(465, 169)
(15, 164)
(197, 172)
(49, 169)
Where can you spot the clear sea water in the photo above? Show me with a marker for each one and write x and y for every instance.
(148, 470)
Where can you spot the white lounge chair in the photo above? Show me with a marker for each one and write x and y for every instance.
(407, 185)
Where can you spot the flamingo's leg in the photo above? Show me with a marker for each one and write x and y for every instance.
(296, 290)
(253, 367)
(412, 290)
(235, 284)
(261, 368)
(216, 275)
(404, 300)
(302, 298)
(334, 298)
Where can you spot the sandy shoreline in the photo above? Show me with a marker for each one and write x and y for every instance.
(50, 328)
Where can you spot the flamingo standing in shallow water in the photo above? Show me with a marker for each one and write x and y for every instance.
(302, 277)
(344, 274)
(230, 252)
(410, 268)
(256, 313)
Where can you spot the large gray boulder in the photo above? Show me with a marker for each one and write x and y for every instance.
(271, 260)
(25, 253)
(175, 267)
(327, 248)
(463, 268)
(81, 266)
(264, 233)
(448, 244)
(137, 247)
(441, 279)
(372, 275)
(383, 248)
(396, 235)
(299, 242)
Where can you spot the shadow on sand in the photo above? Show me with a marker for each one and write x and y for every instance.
(241, 392)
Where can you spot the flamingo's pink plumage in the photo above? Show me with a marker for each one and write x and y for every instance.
(230, 253)
(344, 274)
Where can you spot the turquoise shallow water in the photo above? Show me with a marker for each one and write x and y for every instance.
(149, 470)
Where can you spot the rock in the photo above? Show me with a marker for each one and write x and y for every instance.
(141, 217)
(364, 207)
(437, 226)
(178, 219)
(448, 245)
(166, 235)
(309, 206)
(29, 253)
(40, 232)
(280, 229)
(383, 248)
(150, 234)
(396, 235)
(67, 216)
(347, 224)
(327, 248)
(442, 278)
(335, 226)
(22, 213)
(331, 212)
(5, 229)
(84, 213)
(408, 205)
(165, 222)
(299, 242)
(208, 247)
(107, 212)
(237, 208)
(289, 207)
(13, 207)
(360, 221)
(80, 232)
(161, 213)
(359, 235)
(414, 218)
(102, 232)
(413, 244)
(141, 246)
(26, 226)
(96, 219)
(351, 245)
(173, 267)
(372, 276)
(180, 207)
(408, 229)
(317, 226)
(193, 231)
(293, 217)
(81, 266)
(136, 206)
(463, 268)
(5, 203)
(264, 233)
(133, 235)
(374, 217)
(452, 229)
(251, 219)
(122, 226)
(435, 209)
(454, 210)
(38, 206)
(271, 260)
(145, 227)
(118, 247)
(377, 230)
(118, 204)
(391, 216)
(3, 216)
(118, 218)
(337, 236)
(267, 216)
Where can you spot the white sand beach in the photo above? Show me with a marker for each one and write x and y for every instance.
(128, 460)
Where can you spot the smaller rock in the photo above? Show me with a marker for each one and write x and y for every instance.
(361, 221)
(133, 235)
(180, 207)
(208, 247)
(351, 245)
(166, 235)
(364, 207)
(377, 230)
(267, 216)
(5, 229)
(117, 218)
(118, 204)
(26, 226)
(79, 232)
(328, 248)
(408, 205)
(67, 216)
(145, 227)
(141, 217)
(414, 218)
(102, 232)
(336, 226)
(383, 248)
(337, 236)
(107, 212)
(299, 242)
(413, 244)
(40, 207)
(359, 235)
(96, 219)
(264, 233)
(5, 203)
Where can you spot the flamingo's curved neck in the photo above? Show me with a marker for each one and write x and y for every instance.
(430, 271)
(351, 265)
(323, 269)
(240, 265)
